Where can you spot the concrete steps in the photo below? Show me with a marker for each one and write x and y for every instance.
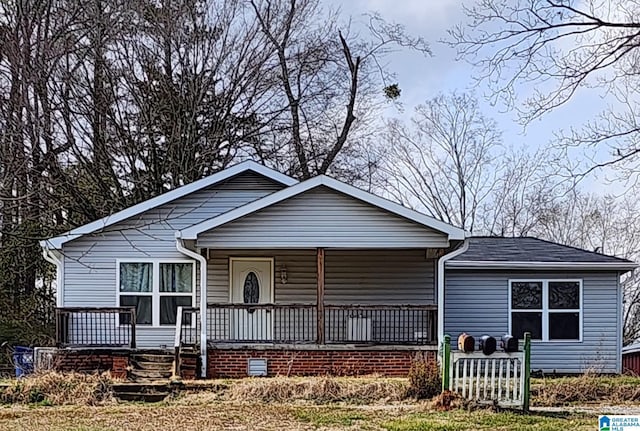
(144, 392)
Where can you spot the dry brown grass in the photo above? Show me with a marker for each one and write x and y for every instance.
(319, 390)
(588, 388)
(58, 389)
(276, 417)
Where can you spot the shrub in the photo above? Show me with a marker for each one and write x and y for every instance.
(424, 380)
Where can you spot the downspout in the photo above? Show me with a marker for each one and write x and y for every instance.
(203, 302)
(441, 280)
(50, 257)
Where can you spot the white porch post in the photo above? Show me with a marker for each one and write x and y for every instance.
(203, 302)
(441, 280)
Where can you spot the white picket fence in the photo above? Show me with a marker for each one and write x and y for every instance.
(499, 378)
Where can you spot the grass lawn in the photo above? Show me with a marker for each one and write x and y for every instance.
(194, 413)
(66, 402)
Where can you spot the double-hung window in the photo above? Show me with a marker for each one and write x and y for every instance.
(551, 310)
(155, 288)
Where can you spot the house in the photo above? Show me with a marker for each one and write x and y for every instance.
(262, 274)
(631, 359)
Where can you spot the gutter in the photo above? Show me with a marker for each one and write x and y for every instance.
(203, 302)
(489, 264)
(50, 257)
(441, 280)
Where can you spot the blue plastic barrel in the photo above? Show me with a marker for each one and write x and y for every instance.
(23, 360)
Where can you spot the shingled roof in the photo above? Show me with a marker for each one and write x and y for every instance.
(494, 251)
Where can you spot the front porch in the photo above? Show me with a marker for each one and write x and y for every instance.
(315, 296)
(313, 311)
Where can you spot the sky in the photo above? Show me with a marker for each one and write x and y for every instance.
(421, 78)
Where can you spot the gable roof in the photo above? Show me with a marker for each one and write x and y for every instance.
(248, 166)
(452, 232)
(529, 252)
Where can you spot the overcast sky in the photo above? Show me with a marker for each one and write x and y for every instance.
(421, 78)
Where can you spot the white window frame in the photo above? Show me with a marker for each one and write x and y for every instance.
(545, 310)
(155, 288)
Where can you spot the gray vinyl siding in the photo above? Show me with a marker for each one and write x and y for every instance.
(351, 276)
(370, 277)
(476, 302)
(90, 261)
(382, 277)
(322, 218)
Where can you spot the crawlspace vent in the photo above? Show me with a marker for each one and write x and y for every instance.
(257, 367)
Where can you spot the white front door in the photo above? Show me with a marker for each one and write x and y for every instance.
(251, 283)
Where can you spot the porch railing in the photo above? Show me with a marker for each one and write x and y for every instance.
(298, 324)
(96, 327)
(263, 323)
(381, 324)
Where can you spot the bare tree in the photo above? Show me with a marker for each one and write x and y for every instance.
(523, 187)
(329, 81)
(545, 51)
(446, 162)
(33, 42)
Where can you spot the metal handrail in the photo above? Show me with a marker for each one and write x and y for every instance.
(95, 327)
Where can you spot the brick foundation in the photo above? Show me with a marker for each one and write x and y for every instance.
(232, 363)
(92, 361)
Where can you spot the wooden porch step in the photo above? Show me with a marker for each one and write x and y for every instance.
(137, 374)
(150, 366)
(145, 357)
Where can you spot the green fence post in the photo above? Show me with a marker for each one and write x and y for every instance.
(527, 371)
(446, 362)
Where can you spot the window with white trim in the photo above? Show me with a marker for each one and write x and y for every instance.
(155, 288)
(551, 310)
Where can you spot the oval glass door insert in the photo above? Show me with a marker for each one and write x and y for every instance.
(251, 289)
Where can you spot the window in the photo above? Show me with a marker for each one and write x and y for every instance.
(176, 288)
(155, 289)
(549, 309)
(251, 289)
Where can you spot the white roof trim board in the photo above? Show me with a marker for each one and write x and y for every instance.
(631, 348)
(492, 264)
(322, 180)
(57, 242)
